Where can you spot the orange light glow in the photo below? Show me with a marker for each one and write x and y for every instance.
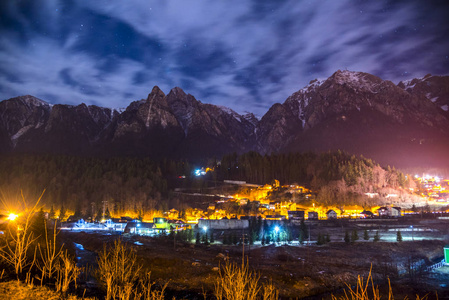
(12, 216)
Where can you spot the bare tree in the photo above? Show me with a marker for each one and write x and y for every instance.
(49, 255)
(19, 240)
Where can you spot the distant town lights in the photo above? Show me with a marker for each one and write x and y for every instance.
(200, 172)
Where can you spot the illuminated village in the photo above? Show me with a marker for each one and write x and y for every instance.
(274, 203)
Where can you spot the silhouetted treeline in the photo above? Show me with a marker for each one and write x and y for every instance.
(84, 184)
(88, 185)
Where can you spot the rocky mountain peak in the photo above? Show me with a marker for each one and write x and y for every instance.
(31, 101)
(434, 88)
(353, 111)
(356, 80)
(157, 96)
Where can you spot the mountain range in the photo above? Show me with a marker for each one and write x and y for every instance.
(405, 125)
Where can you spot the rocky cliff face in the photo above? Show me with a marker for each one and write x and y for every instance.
(174, 125)
(434, 88)
(359, 113)
(404, 124)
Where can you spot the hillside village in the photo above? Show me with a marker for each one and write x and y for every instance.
(274, 203)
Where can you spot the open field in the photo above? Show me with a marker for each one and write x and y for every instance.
(296, 270)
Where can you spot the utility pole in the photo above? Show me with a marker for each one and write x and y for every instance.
(243, 251)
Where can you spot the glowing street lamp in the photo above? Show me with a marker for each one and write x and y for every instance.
(205, 228)
(12, 216)
(276, 229)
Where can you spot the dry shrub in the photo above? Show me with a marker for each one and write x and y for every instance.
(118, 270)
(362, 291)
(146, 289)
(66, 272)
(239, 283)
(19, 239)
(50, 255)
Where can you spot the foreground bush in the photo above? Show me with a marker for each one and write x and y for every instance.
(118, 272)
(239, 283)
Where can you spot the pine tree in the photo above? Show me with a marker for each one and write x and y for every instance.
(263, 240)
(52, 213)
(289, 236)
(254, 236)
(197, 238)
(365, 235)
(99, 215)
(354, 236)
(235, 240)
(212, 239)
(399, 236)
(320, 239)
(328, 238)
(62, 213)
(267, 239)
(107, 214)
(347, 238)
(376, 237)
(303, 229)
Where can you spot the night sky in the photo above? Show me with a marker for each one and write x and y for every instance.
(243, 54)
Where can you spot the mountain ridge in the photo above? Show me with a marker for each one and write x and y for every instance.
(352, 111)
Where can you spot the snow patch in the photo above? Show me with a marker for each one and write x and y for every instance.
(19, 133)
(434, 99)
(229, 111)
(356, 80)
(445, 107)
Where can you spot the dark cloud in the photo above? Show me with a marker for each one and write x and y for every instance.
(243, 54)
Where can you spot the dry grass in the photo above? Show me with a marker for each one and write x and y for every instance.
(366, 290)
(240, 283)
(15, 290)
(67, 272)
(50, 255)
(119, 273)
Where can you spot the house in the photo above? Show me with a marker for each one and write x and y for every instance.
(243, 201)
(331, 214)
(382, 211)
(115, 225)
(160, 223)
(395, 211)
(312, 215)
(125, 219)
(367, 214)
(223, 224)
(389, 211)
(173, 214)
(275, 217)
(295, 214)
(141, 228)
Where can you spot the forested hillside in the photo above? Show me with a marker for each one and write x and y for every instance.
(82, 184)
(86, 185)
(336, 177)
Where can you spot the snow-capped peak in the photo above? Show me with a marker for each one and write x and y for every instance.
(356, 80)
(33, 101)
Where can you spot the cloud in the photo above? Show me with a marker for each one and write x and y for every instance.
(243, 54)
